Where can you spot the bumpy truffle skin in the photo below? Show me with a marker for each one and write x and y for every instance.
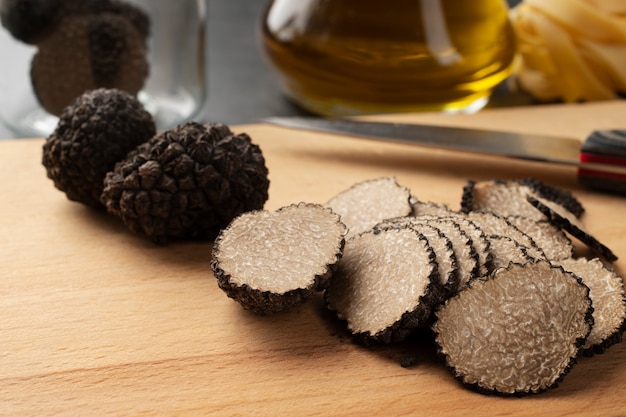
(187, 183)
(137, 17)
(28, 20)
(85, 53)
(92, 135)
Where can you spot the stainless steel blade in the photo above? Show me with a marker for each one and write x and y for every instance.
(517, 145)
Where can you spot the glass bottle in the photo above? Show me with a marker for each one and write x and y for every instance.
(348, 57)
(154, 49)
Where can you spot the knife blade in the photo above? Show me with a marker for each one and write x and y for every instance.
(600, 158)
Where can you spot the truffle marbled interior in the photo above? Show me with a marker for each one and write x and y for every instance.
(280, 251)
(372, 289)
(517, 332)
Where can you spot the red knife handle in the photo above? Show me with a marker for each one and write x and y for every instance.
(603, 161)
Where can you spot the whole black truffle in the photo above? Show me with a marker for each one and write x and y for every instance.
(88, 52)
(92, 135)
(136, 16)
(28, 20)
(188, 182)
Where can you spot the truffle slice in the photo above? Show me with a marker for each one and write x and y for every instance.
(272, 261)
(495, 225)
(551, 239)
(606, 290)
(558, 196)
(511, 334)
(505, 198)
(92, 135)
(429, 208)
(508, 198)
(367, 203)
(187, 182)
(384, 286)
(572, 225)
(480, 242)
(506, 250)
(464, 250)
(447, 268)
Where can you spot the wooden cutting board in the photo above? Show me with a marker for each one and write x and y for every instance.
(97, 321)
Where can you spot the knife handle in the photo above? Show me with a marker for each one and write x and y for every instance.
(603, 161)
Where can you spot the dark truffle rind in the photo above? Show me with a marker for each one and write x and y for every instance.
(262, 303)
(559, 196)
(92, 135)
(188, 182)
(561, 221)
(467, 196)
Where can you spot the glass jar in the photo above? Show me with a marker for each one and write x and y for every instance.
(348, 57)
(154, 49)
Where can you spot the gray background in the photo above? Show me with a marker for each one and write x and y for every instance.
(242, 87)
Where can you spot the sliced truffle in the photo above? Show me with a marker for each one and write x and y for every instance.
(384, 301)
(557, 195)
(367, 203)
(505, 198)
(85, 53)
(510, 334)
(463, 246)
(447, 268)
(480, 241)
(92, 135)
(508, 198)
(606, 290)
(467, 261)
(429, 208)
(568, 222)
(506, 250)
(495, 225)
(272, 261)
(187, 182)
(551, 239)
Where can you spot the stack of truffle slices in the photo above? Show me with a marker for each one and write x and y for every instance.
(510, 306)
(187, 182)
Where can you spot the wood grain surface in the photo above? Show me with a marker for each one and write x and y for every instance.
(97, 321)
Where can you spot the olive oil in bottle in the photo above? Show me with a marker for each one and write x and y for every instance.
(346, 57)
